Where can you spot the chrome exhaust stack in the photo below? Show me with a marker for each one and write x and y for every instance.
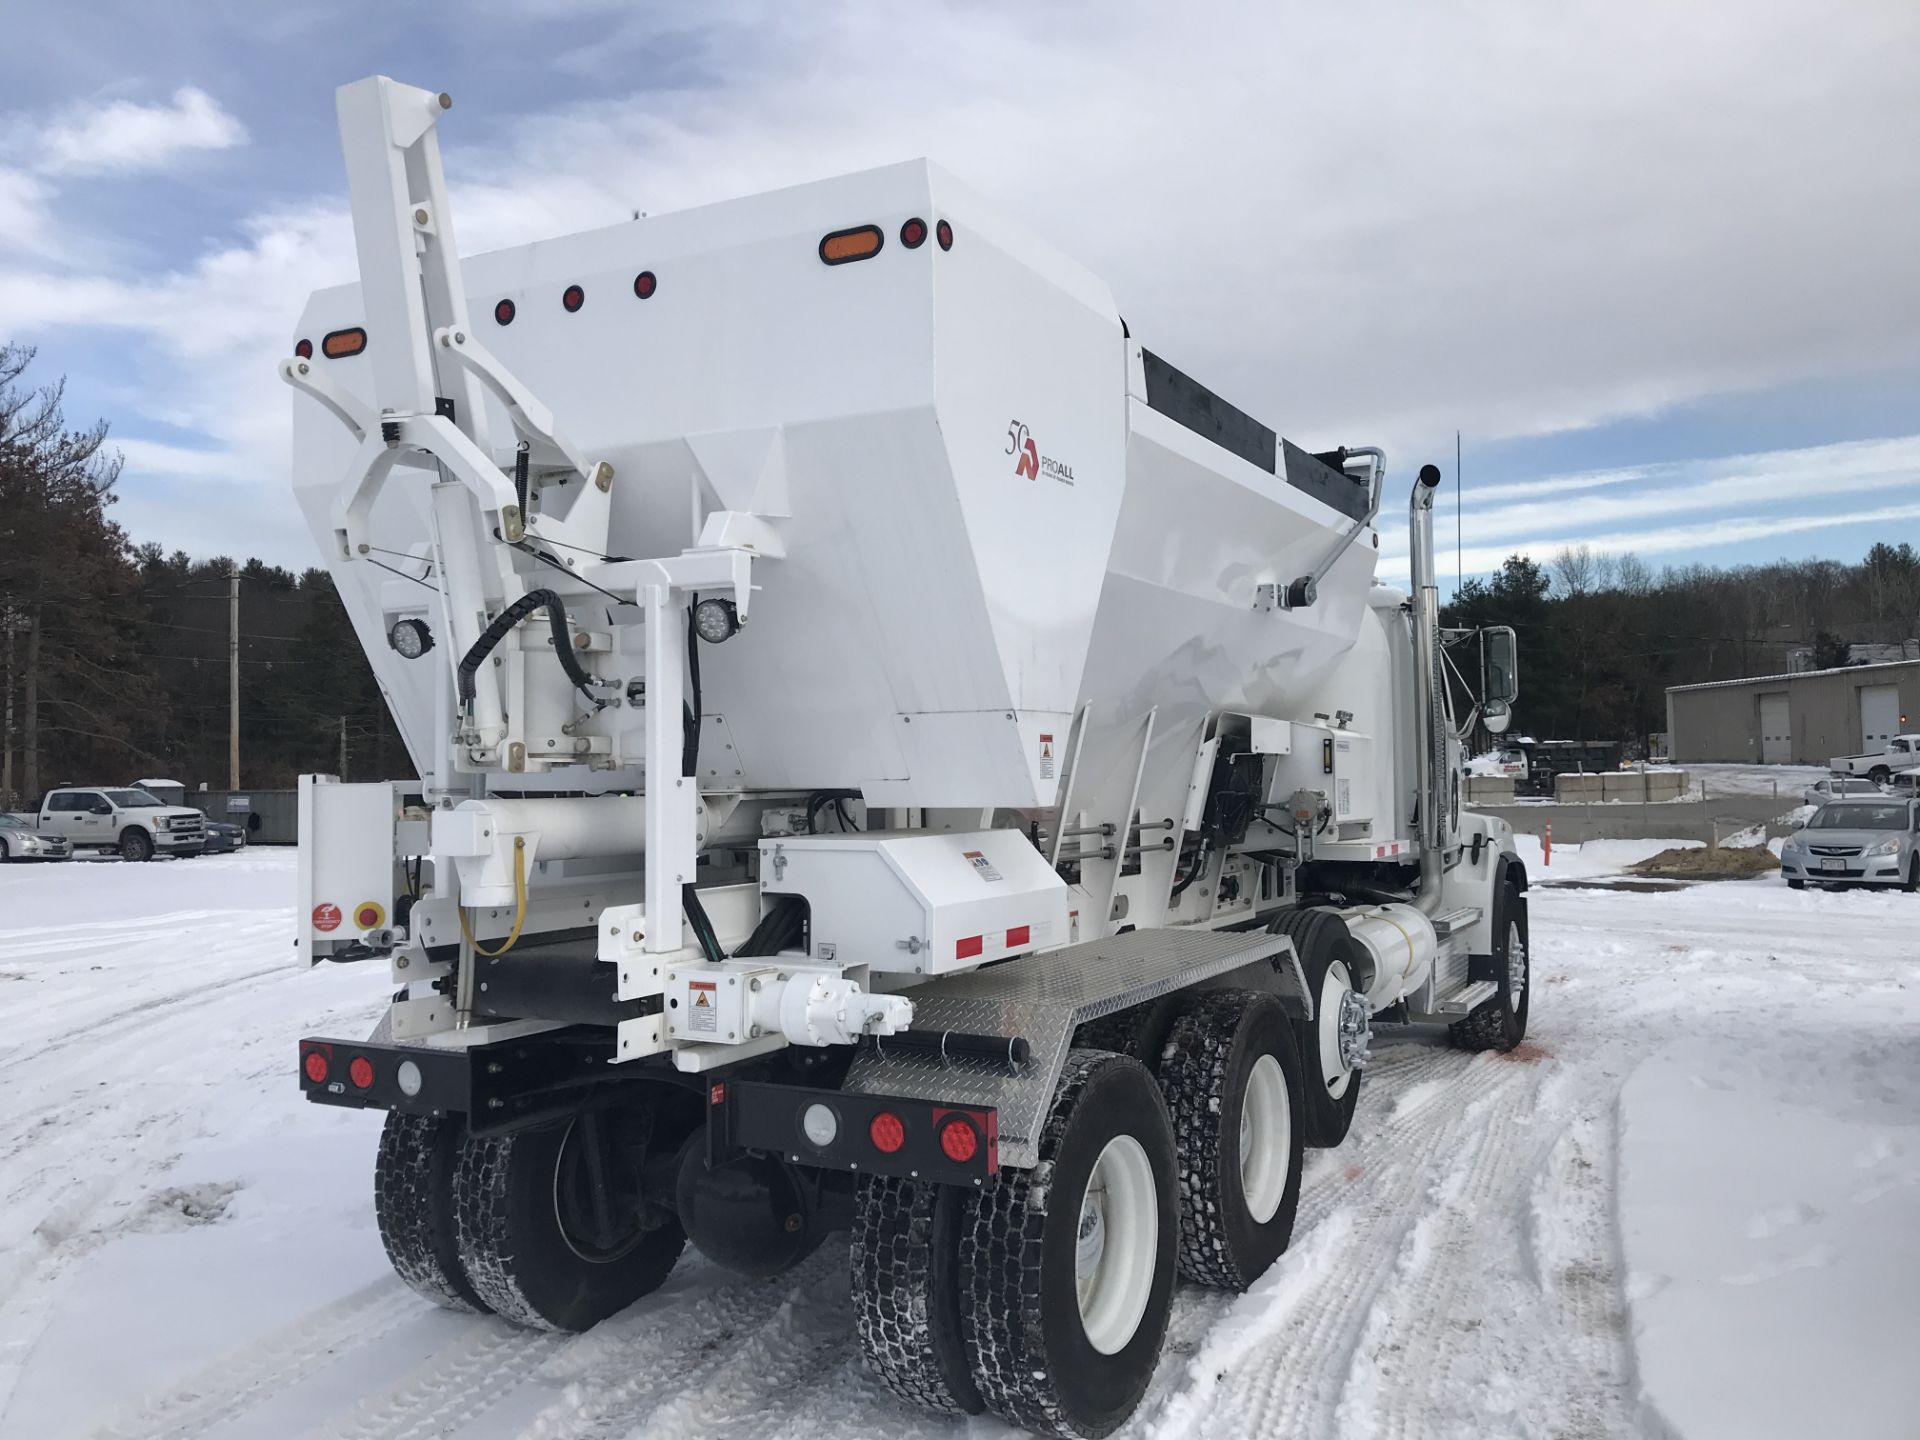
(1432, 720)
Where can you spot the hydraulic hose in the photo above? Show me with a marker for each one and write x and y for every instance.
(512, 616)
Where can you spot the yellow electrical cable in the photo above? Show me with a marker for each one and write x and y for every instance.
(519, 901)
(1411, 956)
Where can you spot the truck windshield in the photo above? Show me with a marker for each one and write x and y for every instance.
(133, 799)
(1855, 816)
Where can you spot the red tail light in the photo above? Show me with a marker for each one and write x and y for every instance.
(360, 1071)
(913, 234)
(943, 232)
(887, 1133)
(959, 1140)
(503, 313)
(304, 349)
(316, 1066)
(573, 297)
(644, 284)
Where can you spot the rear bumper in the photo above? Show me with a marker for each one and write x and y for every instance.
(518, 1083)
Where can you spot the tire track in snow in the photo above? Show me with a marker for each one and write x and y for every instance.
(454, 1386)
(1309, 1314)
(235, 1383)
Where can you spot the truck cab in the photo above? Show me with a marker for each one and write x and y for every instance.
(127, 820)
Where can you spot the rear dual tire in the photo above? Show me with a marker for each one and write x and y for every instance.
(1044, 1297)
(1330, 958)
(509, 1224)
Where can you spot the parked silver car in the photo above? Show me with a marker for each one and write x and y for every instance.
(1856, 842)
(1836, 786)
(19, 840)
(1903, 783)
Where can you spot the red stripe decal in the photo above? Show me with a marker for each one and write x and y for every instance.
(966, 949)
(1019, 935)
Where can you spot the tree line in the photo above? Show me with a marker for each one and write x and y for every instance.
(116, 655)
(1602, 636)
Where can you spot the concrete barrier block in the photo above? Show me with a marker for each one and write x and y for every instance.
(1489, 789)
(1626, 786)
(1578, 787)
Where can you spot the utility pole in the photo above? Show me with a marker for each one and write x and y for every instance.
(233, 680)
(10, 623)
(32, 700)
(343, 747)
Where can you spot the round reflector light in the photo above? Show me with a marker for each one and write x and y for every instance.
(573, 297)
(887, 1133)
(644, 284)
(943, 232)
(913, 234)
(408, 1078)
(820, 1125)
(316, 1064)
(959, 1140)
(360, 1071)
(503, 313)
(304, 349)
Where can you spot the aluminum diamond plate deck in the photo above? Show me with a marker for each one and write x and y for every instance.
(1044, 998)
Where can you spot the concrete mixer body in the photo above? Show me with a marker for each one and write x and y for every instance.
(854, 686)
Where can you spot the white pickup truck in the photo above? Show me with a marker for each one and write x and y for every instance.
(130, 821)
(1902, 753)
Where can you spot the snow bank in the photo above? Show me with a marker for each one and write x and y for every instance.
(1770, 1221)
(1591, 859)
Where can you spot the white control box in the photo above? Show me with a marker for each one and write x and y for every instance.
(920, 903)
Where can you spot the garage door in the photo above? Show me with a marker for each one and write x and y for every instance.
(1879, 716)
(1776, 731)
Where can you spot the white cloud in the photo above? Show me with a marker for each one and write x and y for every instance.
(122, 137)
(23, 212)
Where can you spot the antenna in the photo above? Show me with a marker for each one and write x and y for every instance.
(1459, 543)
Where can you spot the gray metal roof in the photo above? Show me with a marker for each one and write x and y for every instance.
(1796, 675)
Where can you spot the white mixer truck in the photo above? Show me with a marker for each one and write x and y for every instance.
(895, 756)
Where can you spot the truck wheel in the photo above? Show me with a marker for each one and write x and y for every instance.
(1501, 1023)
(556, 1229)
(1069, 1267)
(135, 844)
(1334, 1041)
(1879, 774)
(1233, 1086)
(413, 1204)
(906, 1291)
(1139, 1032)
(1912, 882)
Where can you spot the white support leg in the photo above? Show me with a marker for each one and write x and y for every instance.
(671, 846)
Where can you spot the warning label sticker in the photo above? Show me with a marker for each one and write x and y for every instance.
(326, 916)
(982, 866)
(702, 1012)
(1046, 757)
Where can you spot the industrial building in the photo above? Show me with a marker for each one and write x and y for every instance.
(1797, 719)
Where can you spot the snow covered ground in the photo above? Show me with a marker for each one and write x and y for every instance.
(1690, 1206)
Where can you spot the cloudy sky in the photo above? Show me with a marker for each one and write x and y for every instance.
(1659, 262)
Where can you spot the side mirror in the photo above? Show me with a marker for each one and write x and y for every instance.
(103, 808)
(1499, 669)
(1798, 823)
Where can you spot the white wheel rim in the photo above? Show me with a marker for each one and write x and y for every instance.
(1117, 1245)
(1516, 967)
(1266, 1139)
(1333, 1066)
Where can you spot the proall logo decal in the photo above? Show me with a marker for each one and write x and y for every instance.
(1029, 463)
